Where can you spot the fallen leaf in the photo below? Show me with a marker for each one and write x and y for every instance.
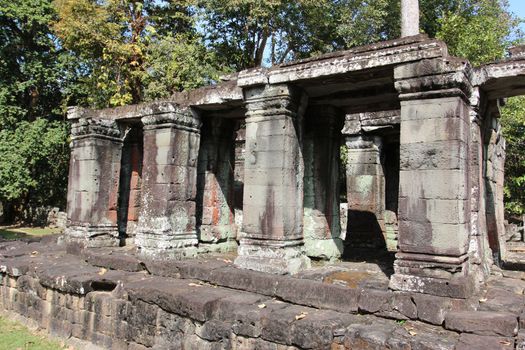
(482, 300)
(194, 285)
(102, 271)
(261, 306)
(412, 333)
(34, 252)
(301, 315)
(505, 342)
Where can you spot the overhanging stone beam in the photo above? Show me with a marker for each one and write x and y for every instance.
(272, 229)
(166, 226)
(378, 55)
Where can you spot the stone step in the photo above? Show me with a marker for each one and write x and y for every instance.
(483, 323)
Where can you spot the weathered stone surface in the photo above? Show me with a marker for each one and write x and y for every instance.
(477, 342)
(483, 323)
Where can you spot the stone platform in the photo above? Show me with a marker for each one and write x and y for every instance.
(112, 299)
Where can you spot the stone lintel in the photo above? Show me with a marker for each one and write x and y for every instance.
(391, 52)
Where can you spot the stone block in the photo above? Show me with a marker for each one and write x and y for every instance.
(442, 155)
(477, 342)
(375, 300)
(434, 184)
(429, 238)
(435, 129)
(440, 211)
(318, 294)
(277, 325)
(440, 108)
(482, 323)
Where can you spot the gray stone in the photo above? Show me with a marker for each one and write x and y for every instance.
(482, 323)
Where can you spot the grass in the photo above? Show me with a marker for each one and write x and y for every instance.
(15, 336)
(13, 232)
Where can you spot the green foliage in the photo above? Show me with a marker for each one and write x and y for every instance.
(133, 50)
(513, 124)
(478, 30)
(176, 64)
(30, 62)
(33, 163)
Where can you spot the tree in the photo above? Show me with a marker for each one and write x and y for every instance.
(479, 30)
(119, 42)
(30, 62)
(513, 125)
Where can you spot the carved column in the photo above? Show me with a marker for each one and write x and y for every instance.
(479, 251)
(93, 183)
(272, 237)
(322, 227)
(434, 203)
(365, 184)
(166, 226)
(215, 188)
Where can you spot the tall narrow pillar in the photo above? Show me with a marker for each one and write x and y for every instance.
(166, 226)
(215, 187)
(272, 230)
(365, 183)
(93, 183)
(409, 17)
(322, 227)
(434, 203)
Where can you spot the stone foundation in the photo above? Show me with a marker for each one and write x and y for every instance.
(114, 299)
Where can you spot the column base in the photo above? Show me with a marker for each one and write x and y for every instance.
(461, 287)
(168, 246)
(91, 236)
(277, 257)
(326, 249)
(228, 246)
(435, 275)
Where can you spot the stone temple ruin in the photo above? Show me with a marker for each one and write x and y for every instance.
(424, 167)
(253, 166)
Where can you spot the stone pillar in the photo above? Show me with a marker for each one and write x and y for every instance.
(215, 187)
(272, 231)
(479, 251)
(166, 226)
(365, 183)
(409, 18)
(94, 173)
(494, 176)
(434, 203)
(322, 228)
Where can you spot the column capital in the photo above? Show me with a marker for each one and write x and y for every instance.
(170, 115)
(364, 142)
(271, 100)
(434, 78)
(95, 127)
